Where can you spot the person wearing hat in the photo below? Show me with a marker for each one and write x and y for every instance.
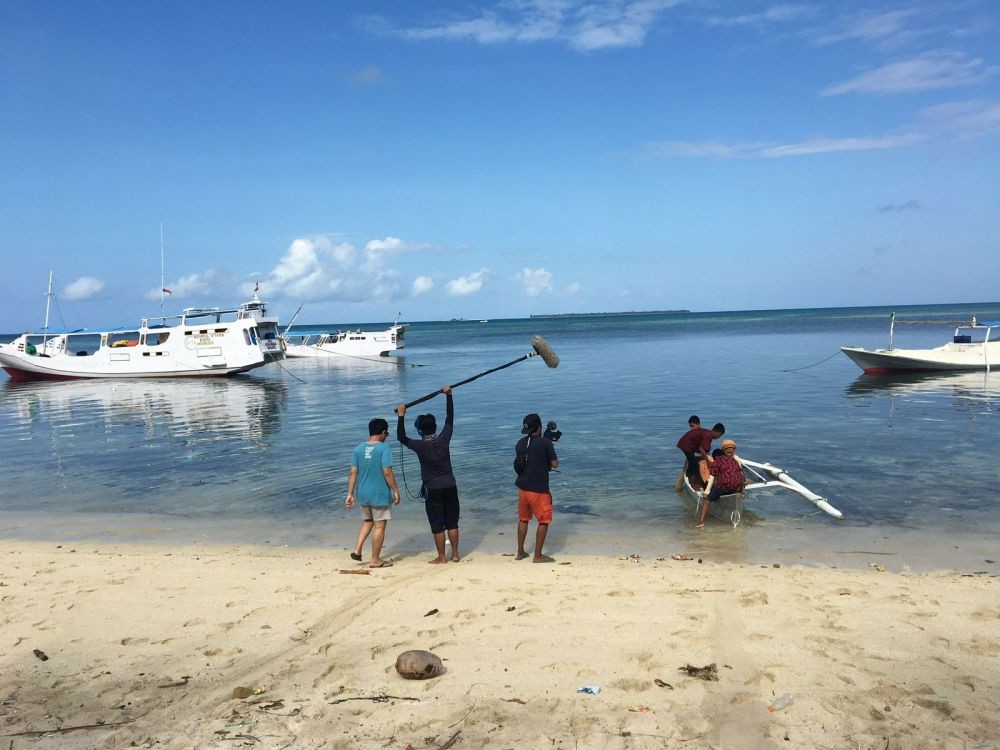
(434, 453)
(726, 478)
(534, 498)
(552, 432)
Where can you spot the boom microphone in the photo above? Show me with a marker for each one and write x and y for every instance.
(540, 348)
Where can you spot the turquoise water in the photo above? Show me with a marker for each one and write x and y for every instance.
(264, 456)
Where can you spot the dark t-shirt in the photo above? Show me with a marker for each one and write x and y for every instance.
(697, 440)
(434, 453)
(535, 477)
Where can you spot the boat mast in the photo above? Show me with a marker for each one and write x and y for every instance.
(162, 278)
(48, 302)
(892, 325)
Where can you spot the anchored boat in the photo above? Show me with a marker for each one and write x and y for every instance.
(199, 342)
(730, 507)
(346, 343)
(972, 347)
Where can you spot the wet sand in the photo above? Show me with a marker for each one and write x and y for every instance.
(123, 645)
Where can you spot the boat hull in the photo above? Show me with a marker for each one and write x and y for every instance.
(727, 508)
(947, 358)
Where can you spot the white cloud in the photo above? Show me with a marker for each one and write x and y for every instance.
(535, 281)
(584, 25)
(422, 285)
(470, 284)
(774, 14)
(965, 120)
(941, 69)
(377, 251)
(574, 288)
(369, 76)
(759, 150)
(873, 27)
(84, 287)
(204, 284)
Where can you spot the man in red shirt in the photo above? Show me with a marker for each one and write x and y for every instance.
(696, 445)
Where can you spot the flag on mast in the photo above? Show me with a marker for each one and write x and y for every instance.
(165, 290)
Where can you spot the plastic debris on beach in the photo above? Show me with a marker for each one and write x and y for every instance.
(679, 557)
(781, 703)
(640, 709)
(589, 689)
(660, 683)
(877, 567)
(709, 672)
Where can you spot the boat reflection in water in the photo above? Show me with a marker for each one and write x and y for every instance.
(971, 385)
(212, 409)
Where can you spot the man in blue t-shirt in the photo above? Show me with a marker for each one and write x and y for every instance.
(372, 485)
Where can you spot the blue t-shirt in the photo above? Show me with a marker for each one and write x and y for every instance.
(371, 488)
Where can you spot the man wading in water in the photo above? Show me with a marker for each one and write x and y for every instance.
(434, 452)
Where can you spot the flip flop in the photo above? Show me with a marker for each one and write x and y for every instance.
(356, 556)
(544, 559)
(382, 565)
(679, 557)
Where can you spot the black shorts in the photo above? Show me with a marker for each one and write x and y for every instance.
(693, 459)
(442, 509)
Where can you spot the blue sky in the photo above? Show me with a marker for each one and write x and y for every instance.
(497, 159)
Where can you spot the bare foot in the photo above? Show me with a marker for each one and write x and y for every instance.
(455, 558)
(700, 526)
(520, 555)
(438, 561)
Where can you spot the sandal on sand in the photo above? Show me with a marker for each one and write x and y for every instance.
(543, 559)
(679, 557)
(356, 556)
(382, 564)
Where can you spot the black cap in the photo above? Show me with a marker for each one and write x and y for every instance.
(531, 423)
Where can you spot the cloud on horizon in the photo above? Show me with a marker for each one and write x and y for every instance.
(465, 285)
(910, 205)
(535, 281)
(83, 288)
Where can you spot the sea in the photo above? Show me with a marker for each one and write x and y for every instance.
(262, 458)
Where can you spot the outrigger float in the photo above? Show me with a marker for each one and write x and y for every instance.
(730, 507)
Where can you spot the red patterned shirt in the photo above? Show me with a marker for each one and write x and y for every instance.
(728, 474)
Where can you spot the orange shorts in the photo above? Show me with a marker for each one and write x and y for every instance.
(537, 504)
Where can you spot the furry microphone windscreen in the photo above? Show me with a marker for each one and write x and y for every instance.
(543, 350)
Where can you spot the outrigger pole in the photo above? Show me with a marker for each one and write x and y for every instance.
(783, 480)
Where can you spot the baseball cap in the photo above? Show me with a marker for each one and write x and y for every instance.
(530, 423)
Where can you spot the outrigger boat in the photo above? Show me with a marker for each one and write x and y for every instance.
(972, 347)
(200, 342)
(730, 507)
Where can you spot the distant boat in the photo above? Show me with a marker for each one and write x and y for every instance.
(965, 351)
(484, 321)
(346, 343)
(199, 342)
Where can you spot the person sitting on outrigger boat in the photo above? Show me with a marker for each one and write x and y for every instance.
(695, 444)
(726, 478)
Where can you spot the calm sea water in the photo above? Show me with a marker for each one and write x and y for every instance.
(263, 457)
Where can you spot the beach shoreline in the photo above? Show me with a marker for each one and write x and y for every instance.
(143, 646)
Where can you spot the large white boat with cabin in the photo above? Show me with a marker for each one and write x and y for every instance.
(200, 342)
(972, 347)
(357, 343)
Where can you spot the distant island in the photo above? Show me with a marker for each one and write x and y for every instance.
(610, 314)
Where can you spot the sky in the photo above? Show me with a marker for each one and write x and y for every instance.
(495, 159)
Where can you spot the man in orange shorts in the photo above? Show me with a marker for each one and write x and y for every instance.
(534, 498)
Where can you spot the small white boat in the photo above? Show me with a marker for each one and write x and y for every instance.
(197, 343)
(346, 343)
(730, 507)
(972, 347)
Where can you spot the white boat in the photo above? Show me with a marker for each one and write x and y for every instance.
(730, 507)
(197, 343)
(972, 347)
(346, 343)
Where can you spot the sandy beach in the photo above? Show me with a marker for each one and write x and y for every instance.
(112, 645)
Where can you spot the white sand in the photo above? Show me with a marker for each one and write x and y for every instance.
(150, 642)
